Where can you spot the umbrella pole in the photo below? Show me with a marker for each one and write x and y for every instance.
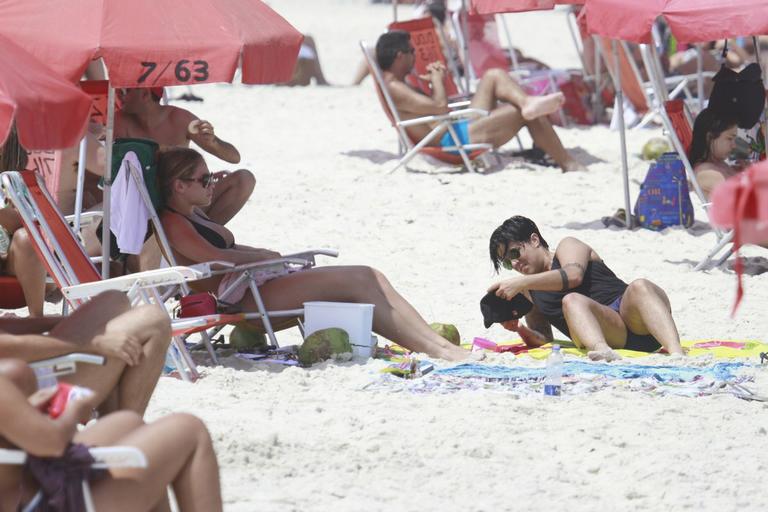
(394, 10)
(700, 77)
(764, 126)
(622, 134)
(82, 155)
(105, 233)
(463, 15)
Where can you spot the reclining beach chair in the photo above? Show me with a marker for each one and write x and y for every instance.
(486, 52)
(71, 268)
(106, 457)
(455, 155)
(129, 152)
(430, 47)
(678, 124)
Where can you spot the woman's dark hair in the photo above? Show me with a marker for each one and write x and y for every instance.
(708, 126)
(389, 44)
(173, 164)
(13, 157)
(514, 229)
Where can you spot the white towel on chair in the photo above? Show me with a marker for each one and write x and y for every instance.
(128, 214)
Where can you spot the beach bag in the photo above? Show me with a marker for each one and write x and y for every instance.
(578, 100)
(197, 304)
(739, 93)
(664, 200)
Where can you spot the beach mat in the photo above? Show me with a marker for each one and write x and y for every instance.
(718, 349)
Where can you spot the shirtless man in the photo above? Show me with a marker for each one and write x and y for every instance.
(134, 342)
(395, 56)
(143, 116)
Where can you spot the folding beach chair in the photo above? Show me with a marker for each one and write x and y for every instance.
(108, 457)
(486, 52)
(142, 151)
(678, 124)
(71, 268)
(455, 155)
(105, 457)
(430, 47)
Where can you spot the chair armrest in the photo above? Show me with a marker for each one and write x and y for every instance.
(66, 364)
(468, 113)
(459, 104)
(148, 279)
(106, 457)
(117, 457)
(451, 116)
(86, 218)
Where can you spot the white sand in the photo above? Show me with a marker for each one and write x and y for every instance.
(311, 440)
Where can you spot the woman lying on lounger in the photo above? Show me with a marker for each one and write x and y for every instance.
(186, 185)
(574, 290)
(178, 449)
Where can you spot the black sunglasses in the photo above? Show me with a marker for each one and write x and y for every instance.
(205, 180)
(410, 49)
(513, 253)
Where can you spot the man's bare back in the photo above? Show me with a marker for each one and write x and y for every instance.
(168, 128)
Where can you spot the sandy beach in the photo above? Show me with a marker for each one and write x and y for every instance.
(291, 439)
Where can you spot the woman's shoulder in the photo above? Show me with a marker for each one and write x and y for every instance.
(723, 169)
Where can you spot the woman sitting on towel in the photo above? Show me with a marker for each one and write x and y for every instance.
(187, 185)
(714, 139)
(573, 290)
(178, 449)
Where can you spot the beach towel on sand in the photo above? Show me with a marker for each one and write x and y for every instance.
(719, 349)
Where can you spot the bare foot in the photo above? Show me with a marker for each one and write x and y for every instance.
(537, 106)
(606, 355)
(460, 354)
(573, 166)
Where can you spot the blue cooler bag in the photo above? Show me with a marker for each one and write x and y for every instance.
(664, 199)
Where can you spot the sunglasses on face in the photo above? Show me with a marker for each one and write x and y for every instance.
(410, 49)
(205, 180)
(513, 253)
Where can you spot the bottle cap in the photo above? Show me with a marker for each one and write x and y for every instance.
(555, 348)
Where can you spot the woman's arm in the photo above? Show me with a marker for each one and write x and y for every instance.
(538, 332)
(573, 255)
(33, 431)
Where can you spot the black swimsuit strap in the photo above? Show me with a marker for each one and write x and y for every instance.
(211, 235)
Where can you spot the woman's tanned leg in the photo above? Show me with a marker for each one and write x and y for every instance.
(393, 317)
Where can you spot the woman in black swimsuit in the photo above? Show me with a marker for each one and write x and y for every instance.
(574, 290)
(186, 186)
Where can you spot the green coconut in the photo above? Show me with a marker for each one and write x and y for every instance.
(654, 148)
(447, 331)
(246, 337)
(331, 343)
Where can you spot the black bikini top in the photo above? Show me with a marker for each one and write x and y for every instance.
(211, 235)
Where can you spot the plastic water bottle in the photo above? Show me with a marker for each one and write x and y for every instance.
(553, 382)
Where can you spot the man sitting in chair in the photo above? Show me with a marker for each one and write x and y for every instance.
(143, 116)
(395, 56)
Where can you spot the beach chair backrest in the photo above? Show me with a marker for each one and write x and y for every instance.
(679, 125)
(485, 48)
(54, 241)
(631, 84)
(681, 122)
(383, 94)
(428, 48)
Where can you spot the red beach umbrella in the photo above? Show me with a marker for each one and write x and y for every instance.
(500, 6)
(690, 20)
(49, 111)
(146, 43)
